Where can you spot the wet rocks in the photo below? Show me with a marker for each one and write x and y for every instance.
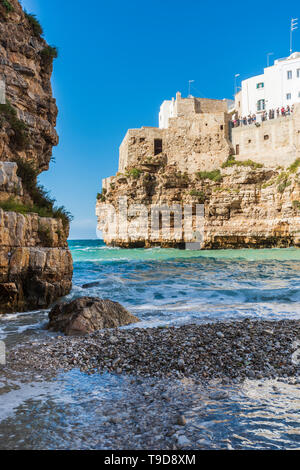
(246, 351)
(91, 284)
(87, 314)
(218, 395)
(183, 442)
(181, 420)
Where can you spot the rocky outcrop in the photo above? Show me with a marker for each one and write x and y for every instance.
(87, 314)
(244, 205)
(27, 76)
(35, 262)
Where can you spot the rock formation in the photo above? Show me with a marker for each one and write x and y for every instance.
(35, 262)
(87, 314)
(243, 206)
(191, 162)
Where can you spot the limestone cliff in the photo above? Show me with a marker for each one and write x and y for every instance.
(192, 181)
(245, 204)
(35, 262)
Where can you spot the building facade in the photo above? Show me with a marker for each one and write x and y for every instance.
(194, 134)
(277, 87)
(274, 142)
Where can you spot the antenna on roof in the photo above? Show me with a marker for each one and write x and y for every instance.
(190, 82)
(235, 83)
(268, 58)
(294, 26)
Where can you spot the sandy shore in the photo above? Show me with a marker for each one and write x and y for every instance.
(233, 350)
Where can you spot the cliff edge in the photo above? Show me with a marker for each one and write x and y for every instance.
(35, 262)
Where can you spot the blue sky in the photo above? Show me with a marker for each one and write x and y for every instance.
(118, 60)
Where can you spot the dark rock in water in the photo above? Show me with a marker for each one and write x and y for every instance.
(90, 284)
(87, 314)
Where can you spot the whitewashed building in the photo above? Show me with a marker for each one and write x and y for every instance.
(277, 87)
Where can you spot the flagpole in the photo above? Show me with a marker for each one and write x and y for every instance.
(190, 82)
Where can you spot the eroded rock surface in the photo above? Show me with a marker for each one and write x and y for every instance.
(35, 262)
(244, 207)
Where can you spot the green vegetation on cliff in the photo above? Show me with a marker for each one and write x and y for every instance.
(296, 205)
(20, 128)
(34, 23)
(294, 166)
(134, 173)
(198, 194)
(49, 53)
(231, 161)
(214, 175)
(7, 5)
(43, 204)
(13, 205)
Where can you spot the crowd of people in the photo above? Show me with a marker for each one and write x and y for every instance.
(264, 116)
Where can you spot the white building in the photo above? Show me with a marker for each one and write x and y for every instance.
(278, 86)
(167, 110)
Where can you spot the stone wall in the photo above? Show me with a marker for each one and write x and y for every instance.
(193, 142)
(273, 143)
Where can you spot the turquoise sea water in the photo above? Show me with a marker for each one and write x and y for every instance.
(160, 286)
(169, 286)
(174, 286)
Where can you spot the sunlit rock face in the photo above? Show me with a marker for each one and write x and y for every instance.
(243, 207)
(35, 262)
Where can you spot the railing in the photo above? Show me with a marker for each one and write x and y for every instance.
(253, 120)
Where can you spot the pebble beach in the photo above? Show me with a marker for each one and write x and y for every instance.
(213, 362)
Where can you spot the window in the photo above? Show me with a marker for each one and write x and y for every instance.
(157, 146)
(289, 75)
(299, 94)
(260, 85)
(266, 137)
(237, 149)
(261, 105)
(298, 73)
(288, 96)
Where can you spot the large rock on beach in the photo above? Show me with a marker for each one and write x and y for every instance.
(87, 314)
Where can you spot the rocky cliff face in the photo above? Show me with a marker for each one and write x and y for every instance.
(245, 205)
(35, 263)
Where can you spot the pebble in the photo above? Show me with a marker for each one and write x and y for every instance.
(183, 441)
(181, 420)
(187, 351)
(218, 395)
